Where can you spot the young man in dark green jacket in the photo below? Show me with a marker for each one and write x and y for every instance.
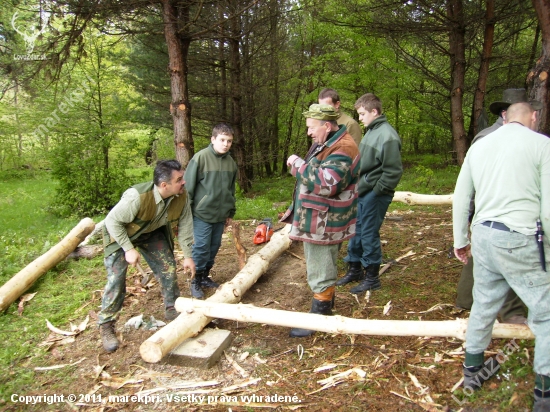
(380, 172)
(210, 181)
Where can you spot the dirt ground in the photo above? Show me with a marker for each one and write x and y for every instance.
(324, 372)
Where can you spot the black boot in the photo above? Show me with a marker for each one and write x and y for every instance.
(371, 281)
(206, 280)
(195, 288)
(320, 307)
(475, 376)
(354, 274)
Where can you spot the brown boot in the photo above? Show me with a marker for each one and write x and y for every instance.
(108, 336)
(321, 304)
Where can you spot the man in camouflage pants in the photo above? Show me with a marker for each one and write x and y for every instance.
(146, 219)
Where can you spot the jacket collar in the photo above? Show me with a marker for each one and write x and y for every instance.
(376, 122)
(222, 155)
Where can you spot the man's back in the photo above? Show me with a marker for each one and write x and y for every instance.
(506, 169)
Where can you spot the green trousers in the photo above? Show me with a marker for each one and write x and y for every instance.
(464, 297)
(321, 265)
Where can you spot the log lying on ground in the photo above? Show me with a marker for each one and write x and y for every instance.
(340, 324)
(86, 252)
(418, 199)
(23, 280)
(188, 325)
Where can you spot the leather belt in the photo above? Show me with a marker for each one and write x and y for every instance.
(497, 225)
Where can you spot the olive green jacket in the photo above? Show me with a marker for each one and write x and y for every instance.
(142, 210)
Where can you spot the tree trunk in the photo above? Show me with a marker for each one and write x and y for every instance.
(238, 142)
(342, 325)
(537, 79)
(23, 280)
(479, 95)
(183, 327)
(457, 51)
(178, 47)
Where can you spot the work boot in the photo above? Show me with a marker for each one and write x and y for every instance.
(371, 281)
(355, 273)
(108, 336)
(321, 304)
(542, 401)
(170, 313)
(474, 376)
(206, 280)
(195, 288)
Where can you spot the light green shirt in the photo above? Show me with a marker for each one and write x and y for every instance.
(509, 171)
(126, 210)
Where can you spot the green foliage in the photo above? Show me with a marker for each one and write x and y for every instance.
(267, 198)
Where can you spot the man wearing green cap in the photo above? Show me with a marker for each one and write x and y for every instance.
(324, 208)
(381, 170)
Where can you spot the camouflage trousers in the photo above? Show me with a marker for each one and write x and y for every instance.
(155, 249)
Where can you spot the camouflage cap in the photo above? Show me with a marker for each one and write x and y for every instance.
(321, 112)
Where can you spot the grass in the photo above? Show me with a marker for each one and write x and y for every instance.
(29, 230)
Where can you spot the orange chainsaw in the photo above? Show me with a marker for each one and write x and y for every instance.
(263, 231)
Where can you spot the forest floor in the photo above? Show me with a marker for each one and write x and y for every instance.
(376, 373)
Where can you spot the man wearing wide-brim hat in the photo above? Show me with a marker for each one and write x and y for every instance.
(509, 96)
(513, 310)
(324, 209)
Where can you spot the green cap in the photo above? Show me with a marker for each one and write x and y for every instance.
(321, 112)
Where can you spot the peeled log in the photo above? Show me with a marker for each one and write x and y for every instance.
(418, 199)
(340, 324)
(18, 284)
(188, 325)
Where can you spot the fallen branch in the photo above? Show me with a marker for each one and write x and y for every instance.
(23, 280)
(418, 199)
(183, 327)
(340, 324)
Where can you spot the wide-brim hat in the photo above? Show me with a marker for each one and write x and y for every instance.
(511, 96)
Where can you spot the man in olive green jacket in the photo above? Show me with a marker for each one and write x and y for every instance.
(145, 220)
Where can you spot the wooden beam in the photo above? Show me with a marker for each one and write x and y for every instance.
(340, 324)
(166, 339)
(23, 280)
(418, 199)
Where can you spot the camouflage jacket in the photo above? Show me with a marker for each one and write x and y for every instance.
(324, 210)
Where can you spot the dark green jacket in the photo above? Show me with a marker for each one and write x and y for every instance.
(381, 167)
(210, 181)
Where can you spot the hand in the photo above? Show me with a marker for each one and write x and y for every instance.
(463, 253)
(228, 222)
(291, 159)
(189, 264)
(132, 256)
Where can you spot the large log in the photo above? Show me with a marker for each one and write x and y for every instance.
(340, 324)
(23, 280)
(188, 325)
(418, 199)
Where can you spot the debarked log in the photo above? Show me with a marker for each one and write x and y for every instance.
(23, 280)
(418, 199)
(187, 325)
(340, 324)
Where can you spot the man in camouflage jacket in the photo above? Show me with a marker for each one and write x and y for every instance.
(324, 210)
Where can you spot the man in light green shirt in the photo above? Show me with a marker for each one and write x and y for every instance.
(509, 171)
(144, 222)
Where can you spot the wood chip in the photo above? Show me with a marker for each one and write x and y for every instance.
(236, 366)
(49, 368)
